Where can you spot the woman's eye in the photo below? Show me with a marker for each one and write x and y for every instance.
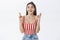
(31, 6)
(28, 7)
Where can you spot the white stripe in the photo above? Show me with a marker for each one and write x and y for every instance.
(28, 26)
(32, 26)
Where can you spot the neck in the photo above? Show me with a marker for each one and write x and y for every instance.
(30, 15)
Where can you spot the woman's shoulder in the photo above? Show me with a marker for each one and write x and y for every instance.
(24, 17)
(36, 17)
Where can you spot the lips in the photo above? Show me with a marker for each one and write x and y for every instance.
(30, 11)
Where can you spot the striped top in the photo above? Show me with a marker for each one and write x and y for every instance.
(29, 28)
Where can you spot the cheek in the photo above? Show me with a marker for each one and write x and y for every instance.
(26, 9)
(33, 9)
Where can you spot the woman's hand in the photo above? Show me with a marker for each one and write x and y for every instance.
(38, 23)
(20, 17)
(21, 23)
(39, 16)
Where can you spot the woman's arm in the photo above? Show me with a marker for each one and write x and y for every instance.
(38, 23)
(21, 23)
(21, 27)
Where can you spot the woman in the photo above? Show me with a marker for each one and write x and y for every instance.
(30, 24)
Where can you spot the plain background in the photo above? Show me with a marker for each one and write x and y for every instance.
(9, 21)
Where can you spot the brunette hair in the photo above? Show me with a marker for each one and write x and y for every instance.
(34, 7)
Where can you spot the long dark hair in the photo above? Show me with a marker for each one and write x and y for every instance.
(34, 7)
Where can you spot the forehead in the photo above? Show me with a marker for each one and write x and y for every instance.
(30, 5)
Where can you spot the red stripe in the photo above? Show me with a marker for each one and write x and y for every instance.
(33, 27)
(24, 26)
(30, 27)
(27, 26)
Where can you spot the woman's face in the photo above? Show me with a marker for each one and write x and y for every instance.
(30, 9)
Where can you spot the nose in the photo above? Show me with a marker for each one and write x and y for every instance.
(30, 8)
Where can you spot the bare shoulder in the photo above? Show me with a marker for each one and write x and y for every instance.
(26, 16)
(22, 17)
(36, 17)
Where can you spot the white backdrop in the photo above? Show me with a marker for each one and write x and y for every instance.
(50, 19)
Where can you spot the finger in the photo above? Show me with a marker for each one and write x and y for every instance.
(19, 14)
(40, 14)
